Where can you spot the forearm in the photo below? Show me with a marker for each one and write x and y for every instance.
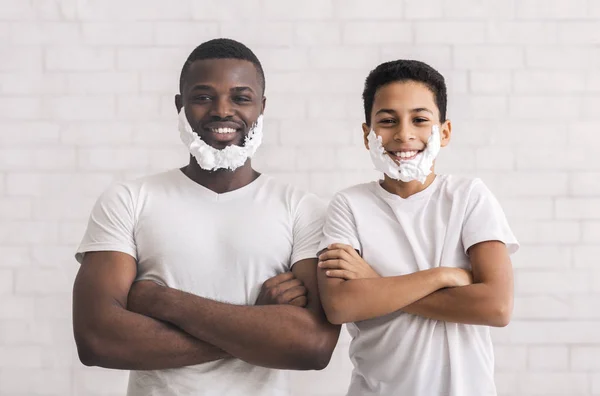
(130, 341)
(478, 304)
(362, 299)
(276, 336)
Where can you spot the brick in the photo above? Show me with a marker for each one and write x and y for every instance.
(550, 332)
(222, 10)
(329, 183)
(533, 107)
(548, 358)
(506, 383)
(104, 159)
(528, 208)
(276, 159)
(159, 82)
(37, 158)
(118, 33)
(278, 59)
(63, 356)
(349, 158)
(97, 133)
(377, 33)
(45, 33)
(478, 107)
(510, 358)
(315, 159)
(6, 282)
(551, 9)
(556, 232)
(14, 308)
(538, 82)
(457, 81)
(596, 384)
(54, 306)
(488, 57)
(309, 133)
(46, 10)
(542, 257)
(30, 133)
(494, 159)
(553, 159)
(445, 32)
(70, 233)
(519, 32)
(21, 333)
(343, 58)
(161, 160)
(280, 106)
(30, 83)
(490, 82)
(51, 382)
(137, 107)
(300, 180)
(479, 9)
(187, 33)
(580, 208)
(102, 83)
(276, 34)
(437, 56)
(552, 281)
(472, 133)
(152, 59)
(75, 58)
(20, 357)
(373, 10)
(27, 232)
(80, 108)
(453, 160)
(133, 10)
(581, 133)
(94, 379)
(591, 232)
(58, 184)
(311, 9)
(324, 81)
(578, 33)
(16, 10)
(14, 256)
(20, 59)
(15, 208)
(527, 184)
(42, 281)
(586, 256)
(556, 57)
(585, 306)
(318, 33)
(158, 133)
(415, 9)
(334, 106)
(572, 384)
(58, 209)
(585, 358)
(20, 108)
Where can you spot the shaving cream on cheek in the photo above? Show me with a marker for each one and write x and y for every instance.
(210, 158)
(408, 170)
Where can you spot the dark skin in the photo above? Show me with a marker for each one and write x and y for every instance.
(170, 326)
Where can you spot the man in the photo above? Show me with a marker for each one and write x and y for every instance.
(198, 242)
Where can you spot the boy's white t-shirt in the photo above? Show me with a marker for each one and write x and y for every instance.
(400, 353)
(218, 246)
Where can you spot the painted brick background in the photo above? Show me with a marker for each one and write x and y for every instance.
(86, 98)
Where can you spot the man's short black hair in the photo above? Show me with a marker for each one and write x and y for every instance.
(405, 70)
(222, 48)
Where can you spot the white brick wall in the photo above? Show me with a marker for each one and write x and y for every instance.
(86, 92)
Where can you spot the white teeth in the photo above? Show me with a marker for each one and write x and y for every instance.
(405, 154)
(223, 130)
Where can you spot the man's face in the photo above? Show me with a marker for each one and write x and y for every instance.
(223, 98)
(403, 115)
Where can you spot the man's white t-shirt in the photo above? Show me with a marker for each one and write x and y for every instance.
(400, 353)
(218, 246)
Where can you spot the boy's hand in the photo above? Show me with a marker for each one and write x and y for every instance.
(342, 261)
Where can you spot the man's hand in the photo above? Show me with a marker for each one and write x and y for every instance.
(342, 261)
(283, 289)
(143, 295)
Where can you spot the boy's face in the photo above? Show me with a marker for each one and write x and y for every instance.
(403, 115)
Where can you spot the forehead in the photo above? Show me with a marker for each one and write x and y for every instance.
(222, 73)
(404, 95)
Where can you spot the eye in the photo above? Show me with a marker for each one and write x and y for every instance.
(419, 120)
(201, 98)
(387, 121)
(242, 99)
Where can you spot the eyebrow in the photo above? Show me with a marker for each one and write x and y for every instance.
(417, 110)
(203, 87)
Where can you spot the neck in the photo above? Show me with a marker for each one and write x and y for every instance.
(221, 180)
(406, 189)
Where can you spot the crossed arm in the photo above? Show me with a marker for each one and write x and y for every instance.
(174, 329)
(353, 291)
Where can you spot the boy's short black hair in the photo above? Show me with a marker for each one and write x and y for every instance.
(405, 70)
(222, 48)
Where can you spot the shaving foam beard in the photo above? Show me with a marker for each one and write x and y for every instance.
(210, 158)
(417, 168)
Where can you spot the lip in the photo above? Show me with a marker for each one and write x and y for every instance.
(400, 159)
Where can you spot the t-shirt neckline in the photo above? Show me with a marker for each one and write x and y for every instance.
(385, 194)
(210, 194)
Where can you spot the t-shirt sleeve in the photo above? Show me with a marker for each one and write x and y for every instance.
(308, 228)
(485, 220)
(111, 224)
(340, 226)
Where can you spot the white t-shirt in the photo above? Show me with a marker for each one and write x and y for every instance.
(218, 246)
(400, 353)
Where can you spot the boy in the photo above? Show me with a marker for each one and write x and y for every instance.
(401, 252)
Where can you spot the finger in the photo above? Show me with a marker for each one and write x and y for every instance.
(347, 248)
(335, 254)
(300, 301)
(282, 287)
(277, 279)
(291, 294)
(342, 274)
(334, 264)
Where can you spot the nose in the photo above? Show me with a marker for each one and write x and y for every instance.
(404, 132)
(221, 108)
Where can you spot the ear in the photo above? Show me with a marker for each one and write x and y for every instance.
(445, 133)
(366, 129)
(264, 104)
(178, 102)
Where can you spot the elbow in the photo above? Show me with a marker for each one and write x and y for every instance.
(335, 312)
(320, 352)
(501, 315)
(88, 350)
